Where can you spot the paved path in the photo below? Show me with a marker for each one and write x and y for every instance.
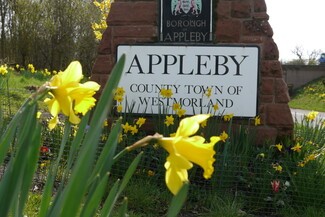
(298, 114)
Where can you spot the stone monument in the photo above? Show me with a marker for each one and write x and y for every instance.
(204, 22)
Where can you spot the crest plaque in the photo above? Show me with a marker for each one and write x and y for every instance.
(187, 21)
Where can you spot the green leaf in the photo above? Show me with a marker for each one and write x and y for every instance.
(128, 174)
(17, 179)
(124, 208)
(130, 171)
(95, 199)
(178, 201)
(109, 202)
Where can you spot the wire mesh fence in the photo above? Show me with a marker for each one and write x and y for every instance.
(264, 182)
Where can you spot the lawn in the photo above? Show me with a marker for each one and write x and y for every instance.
(310, 97)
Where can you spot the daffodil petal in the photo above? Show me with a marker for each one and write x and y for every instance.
(189, 126)
(53, 122)
(176, 172)
(53, 106)
(199, 153)
(65, 104)
(72, 74)
(73, 118)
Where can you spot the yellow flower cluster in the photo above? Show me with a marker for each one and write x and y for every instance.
(177, 108)
(3, 69)
(311, 116)
(31, 68)
(133, 129)
(99, 27)
(119, 97)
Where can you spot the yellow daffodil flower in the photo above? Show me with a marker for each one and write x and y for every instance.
(120, 137)
(279, 146)
(185, 149)
(133, 129)
(126, 127)
(257, 120)
(38, 115)
(120, 91)
(277, 167)
(140, 121)
(223, 136)
(169, 120)
(119, 108)
(181, 112)
(176, 106)
(228, 117)
(310, 157)
(69, 96)
(31, 68)
(301, 164)
(150, 173)
(311, 116)
(297, 147)
(118, 98)
(3, 69)
(215, 107)
(167, 93)
(208, 92)
(105, 124)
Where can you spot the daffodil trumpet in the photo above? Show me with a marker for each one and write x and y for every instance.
(184, 150)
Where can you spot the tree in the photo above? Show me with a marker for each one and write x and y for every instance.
(311, 59)
(48, 33)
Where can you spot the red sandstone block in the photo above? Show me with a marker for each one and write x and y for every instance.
(103, 64)
(261, 16)
(259, 6)
(241, 9)
(279, 115)
(252, 39)
(223, 9)
(129, 40)
(257, 27)
(228, 30)
(135, 31)
(271, 68)
(270, 50)
(266, 135)
(105, 46)
(267, 87)
(138, 12)
(266, 99)
(281, 91)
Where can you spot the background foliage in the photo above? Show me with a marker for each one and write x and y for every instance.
(47, 33)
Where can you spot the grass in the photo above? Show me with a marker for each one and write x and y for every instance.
(310, 97)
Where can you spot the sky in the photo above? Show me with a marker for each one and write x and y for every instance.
(297, 23)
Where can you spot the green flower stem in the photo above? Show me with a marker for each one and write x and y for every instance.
(140, 143)
(8, 95)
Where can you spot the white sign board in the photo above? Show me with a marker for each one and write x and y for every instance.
(229, 73)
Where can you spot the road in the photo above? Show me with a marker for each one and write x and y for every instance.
(298, 114)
